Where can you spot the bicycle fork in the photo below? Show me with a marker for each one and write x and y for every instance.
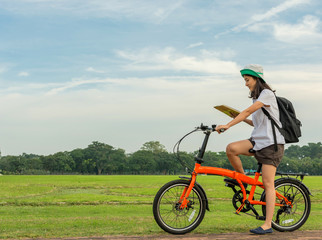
(185, 194)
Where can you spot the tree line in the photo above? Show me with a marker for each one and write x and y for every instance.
(100, 158)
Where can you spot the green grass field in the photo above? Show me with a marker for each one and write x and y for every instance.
(76, 206)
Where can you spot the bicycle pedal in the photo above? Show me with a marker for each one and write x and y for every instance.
(263, 218)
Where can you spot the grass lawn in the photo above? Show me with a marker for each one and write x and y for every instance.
(75, 206)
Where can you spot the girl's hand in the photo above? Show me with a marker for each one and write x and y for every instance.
(218, 128)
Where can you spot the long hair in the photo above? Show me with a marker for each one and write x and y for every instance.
(259, 87)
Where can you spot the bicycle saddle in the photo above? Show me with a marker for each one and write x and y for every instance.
(251, 150)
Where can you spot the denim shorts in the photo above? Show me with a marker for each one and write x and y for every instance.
(268, 155)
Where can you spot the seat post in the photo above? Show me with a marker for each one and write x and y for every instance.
(259, 169)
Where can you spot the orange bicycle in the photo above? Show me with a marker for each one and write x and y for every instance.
(180, 205)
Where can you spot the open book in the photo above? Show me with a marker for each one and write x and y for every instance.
(231, 112)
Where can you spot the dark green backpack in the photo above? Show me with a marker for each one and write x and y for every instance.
(291, 126)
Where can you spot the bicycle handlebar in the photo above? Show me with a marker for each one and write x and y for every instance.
(205, 128)
(212, 128)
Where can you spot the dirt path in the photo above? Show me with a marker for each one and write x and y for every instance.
(300, 235)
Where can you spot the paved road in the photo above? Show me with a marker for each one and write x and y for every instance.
(300, 235)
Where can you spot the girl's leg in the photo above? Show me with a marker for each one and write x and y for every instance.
(235, 149)
(268, 177)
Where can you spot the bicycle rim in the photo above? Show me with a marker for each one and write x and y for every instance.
(172, 218)
(288, 218)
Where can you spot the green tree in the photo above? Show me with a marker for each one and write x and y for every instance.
(293, 151)
(101, 154)
(165, 163)
(313, 150)
(289, 165)
(142, 161)
(13, 164)
(33, 163)
(118, 162)
(60, 162)
(89, 166)
(154, 147)
(78, 156)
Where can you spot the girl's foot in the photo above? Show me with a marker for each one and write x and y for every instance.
(261, 231)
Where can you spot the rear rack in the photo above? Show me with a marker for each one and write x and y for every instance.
(301, 175)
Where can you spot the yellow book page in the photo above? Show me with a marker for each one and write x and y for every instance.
(231, 112)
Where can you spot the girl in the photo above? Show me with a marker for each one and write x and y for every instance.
(262, 139)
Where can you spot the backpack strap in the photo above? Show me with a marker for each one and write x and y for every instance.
(273, 128)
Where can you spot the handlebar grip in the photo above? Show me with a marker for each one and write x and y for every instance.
(222, 130)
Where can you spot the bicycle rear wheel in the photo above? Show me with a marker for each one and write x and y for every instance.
(290, 218)
(166, 209)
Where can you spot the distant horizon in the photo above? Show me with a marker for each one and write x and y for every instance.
(168, 150)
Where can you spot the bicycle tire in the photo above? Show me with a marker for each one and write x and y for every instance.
(290, 218)
(167, 214)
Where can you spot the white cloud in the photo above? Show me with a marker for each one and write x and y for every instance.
(165, 11)
(307, 31)
(23, 74)
(153, 96)
(76, 83)
(155, 11)
(171, 59)
(278, 9)
(193, 45)
(303, 74)
(91, 69)
(258, 18)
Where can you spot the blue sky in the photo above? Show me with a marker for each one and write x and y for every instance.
(127, 72)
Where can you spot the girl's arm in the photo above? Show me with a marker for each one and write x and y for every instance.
(248, 121)
(242, 116)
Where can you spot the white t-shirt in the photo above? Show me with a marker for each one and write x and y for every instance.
(262, 134)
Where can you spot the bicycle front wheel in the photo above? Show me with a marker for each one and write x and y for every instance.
(290, 218)
(167, 212)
